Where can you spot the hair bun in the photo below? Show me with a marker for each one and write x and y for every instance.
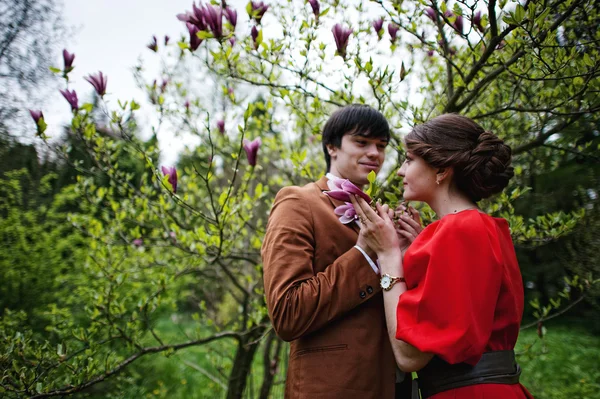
(488, 167)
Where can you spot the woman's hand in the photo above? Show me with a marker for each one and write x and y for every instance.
(377, 231)
(408, 226)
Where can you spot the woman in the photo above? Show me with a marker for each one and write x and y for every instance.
(454, 301)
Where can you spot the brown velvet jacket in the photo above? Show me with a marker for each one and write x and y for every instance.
(323, 296)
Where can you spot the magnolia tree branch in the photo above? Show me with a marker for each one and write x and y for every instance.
(544, 136)
(143, 352)
(552, 316)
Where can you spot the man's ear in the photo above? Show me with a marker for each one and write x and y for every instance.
(331, 150)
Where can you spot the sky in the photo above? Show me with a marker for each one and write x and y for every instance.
(110, 36)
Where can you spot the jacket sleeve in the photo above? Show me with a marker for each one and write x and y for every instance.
(299, 300)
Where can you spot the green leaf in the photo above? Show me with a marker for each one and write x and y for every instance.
(259, 38)
(87, 107)
(372, 177)
(134, 105)
(41, 125)
(204, 35)
(55, 70)
(519, 13)
(391, 197)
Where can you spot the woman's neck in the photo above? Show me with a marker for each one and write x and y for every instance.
(449, 204)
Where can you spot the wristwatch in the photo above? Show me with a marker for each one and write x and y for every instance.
(387, 281)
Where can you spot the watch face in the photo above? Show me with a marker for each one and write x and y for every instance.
(385, 281)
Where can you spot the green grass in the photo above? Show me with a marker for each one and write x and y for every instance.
(195, 372)
(564, 365)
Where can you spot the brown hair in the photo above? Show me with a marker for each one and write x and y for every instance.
(480, 159)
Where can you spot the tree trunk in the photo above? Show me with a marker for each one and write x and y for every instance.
(242, 364)
(270, 364)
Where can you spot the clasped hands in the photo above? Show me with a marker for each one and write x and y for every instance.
(387, 230)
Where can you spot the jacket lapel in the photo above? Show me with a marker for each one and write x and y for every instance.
(322, 184)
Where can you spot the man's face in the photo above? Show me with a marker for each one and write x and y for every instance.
(356, 157)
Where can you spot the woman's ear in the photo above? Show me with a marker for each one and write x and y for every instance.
(444, 174)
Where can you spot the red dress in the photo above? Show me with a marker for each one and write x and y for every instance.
(465, 296)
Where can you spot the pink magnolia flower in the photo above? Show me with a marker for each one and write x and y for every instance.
(344, 189)
(68, 60)
(99, 82)
(459, 24)
(257, 10)
(346, 212)
(213, 16)
(153, 45)
(393, 31)
(316, 7)
(138, 242)
(167, 38)
(254, 34)
(171, 171)
(341, 36)
(231, 16)
(195, 41)
(196, 17)
(232, 41)
(221, 126)
(251, 148)
(430, 12)
(378, 27)
(335, 184)
(71, 97)
(36, 115)
(477, 21)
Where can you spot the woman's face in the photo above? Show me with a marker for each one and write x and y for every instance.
(419, 179)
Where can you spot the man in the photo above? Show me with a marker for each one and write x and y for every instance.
(322, 290)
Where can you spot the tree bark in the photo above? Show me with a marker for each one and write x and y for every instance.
(270, 364)
(242, 364)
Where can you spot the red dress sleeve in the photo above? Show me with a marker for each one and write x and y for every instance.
(453, 272)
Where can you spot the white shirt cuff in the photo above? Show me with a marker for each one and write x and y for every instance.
(368, 258)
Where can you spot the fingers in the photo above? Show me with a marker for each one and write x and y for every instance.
(416, 216)
(367, 212)
(383, 211)
(405, 226)
(416, 226)
(359, 211)
(409, 237)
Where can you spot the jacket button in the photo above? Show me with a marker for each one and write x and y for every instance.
(363, 294)
(369, 289)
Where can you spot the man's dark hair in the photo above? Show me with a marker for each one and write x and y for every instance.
(355, 119)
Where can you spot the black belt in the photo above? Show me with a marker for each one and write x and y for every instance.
(498, 367)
